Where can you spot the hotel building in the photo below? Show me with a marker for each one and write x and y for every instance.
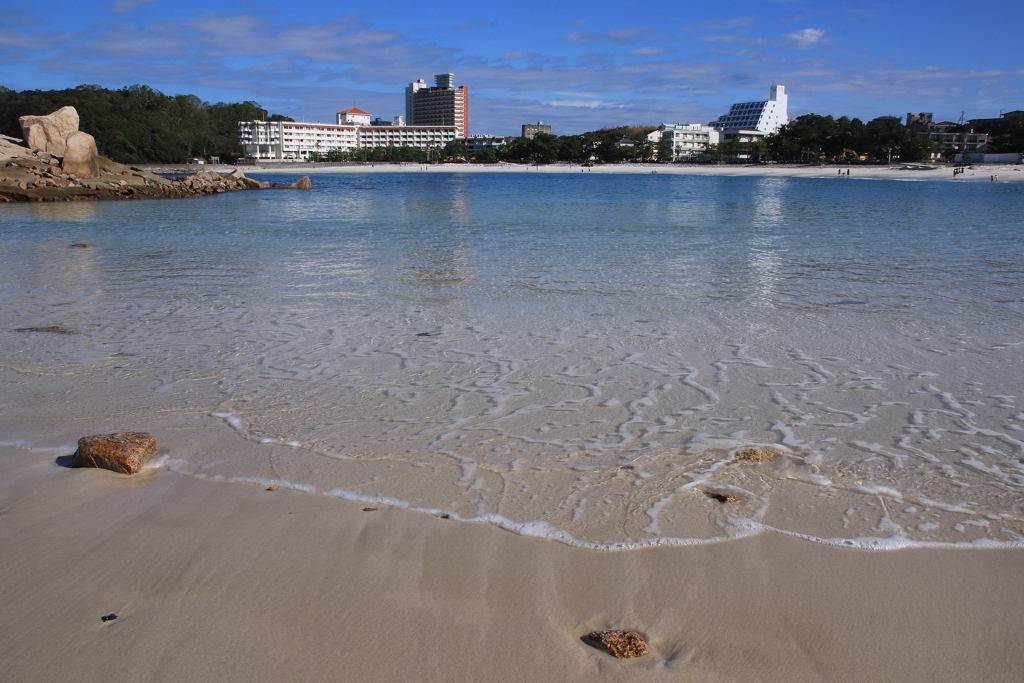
(747, 121)
(688, 140)
(295, 141)
(442, 105)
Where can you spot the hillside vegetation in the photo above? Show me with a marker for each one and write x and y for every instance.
(138, 124)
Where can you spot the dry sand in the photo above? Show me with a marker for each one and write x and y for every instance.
(979, 173)
(230, 582)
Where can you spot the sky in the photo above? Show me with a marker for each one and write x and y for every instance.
(575, 65)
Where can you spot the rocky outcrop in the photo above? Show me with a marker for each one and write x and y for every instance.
(49, 133)
(61, 163)
(26, 176)
(80, 156)
(621, 644)
(124, 452)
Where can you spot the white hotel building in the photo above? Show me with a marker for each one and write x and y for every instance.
(689, 140)
(747, 121)
(294, 141)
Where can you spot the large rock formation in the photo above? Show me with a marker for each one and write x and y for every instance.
(26, 176)
(124, 452)
(80, 156)
(49, 133)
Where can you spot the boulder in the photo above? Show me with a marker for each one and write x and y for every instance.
(124, 452)
(621, 644)
(254, 184)
(48, 133)
(81, 157)
(300, 184)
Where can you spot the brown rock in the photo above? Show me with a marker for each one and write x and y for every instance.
(124, 452)
(82, 245)
(48, 133)
(253, 184)
(621, 644)
(302, 183)
(753, 454)
(80, 156)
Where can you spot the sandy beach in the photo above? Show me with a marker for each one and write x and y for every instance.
(236, 583)
(266, 347)
(912, 171)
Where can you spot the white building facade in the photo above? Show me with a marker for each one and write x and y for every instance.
(689, 140)
(475, 143)
(750, 120)
(295, 141)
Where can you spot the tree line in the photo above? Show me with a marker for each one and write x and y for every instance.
(138, 124)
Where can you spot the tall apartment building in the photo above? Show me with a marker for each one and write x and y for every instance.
(442, 105)
(749, 120)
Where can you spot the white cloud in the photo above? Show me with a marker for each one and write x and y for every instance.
(618, 37)
(805, 38)
(649, 51)
(589, 104)
(734, 40)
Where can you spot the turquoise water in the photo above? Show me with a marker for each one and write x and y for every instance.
(576, 356)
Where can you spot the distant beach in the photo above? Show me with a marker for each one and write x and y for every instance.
(912, 171)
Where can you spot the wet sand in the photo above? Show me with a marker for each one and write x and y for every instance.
(231, 582)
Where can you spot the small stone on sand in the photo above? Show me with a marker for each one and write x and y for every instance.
(721, 497)
(124, 452)
(370, 509)
(753, 454)
(621, 644)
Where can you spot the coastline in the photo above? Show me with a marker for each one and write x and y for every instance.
(1007, 173)
(231, 582)
(220, 579)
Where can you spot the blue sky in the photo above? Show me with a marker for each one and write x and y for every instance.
(578, 66)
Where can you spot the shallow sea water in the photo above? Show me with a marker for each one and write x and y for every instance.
(577, 357)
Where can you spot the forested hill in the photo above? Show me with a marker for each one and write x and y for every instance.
(138, 124)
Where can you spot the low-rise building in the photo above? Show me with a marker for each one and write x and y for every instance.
(292, 140)
(423, 137)
(688, 140)
(531, 129)
(946, 134)
(994, 126)
(475, 143)
(295, 141)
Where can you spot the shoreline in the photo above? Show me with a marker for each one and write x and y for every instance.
(921, 172)
(237, 583)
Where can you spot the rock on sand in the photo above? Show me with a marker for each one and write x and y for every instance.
(124, 452)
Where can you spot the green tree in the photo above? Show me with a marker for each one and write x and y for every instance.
(138, 124)
(1011, 138)
(665, 152)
